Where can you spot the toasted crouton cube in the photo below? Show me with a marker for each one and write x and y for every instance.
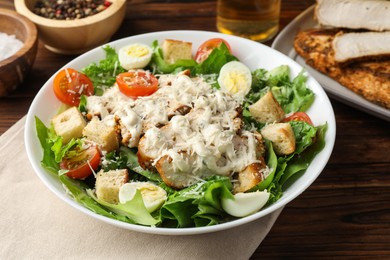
(282, 137)
(104, 135)
(174, 50)
(250, 177)
(108, 184)
(69, 124)
(267, 109)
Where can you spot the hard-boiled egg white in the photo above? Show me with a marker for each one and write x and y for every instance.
(152, 195)
(235, 78)
(134, 56)
(245, 204)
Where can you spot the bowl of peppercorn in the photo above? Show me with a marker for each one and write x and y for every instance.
(73, 26)
(18, 49)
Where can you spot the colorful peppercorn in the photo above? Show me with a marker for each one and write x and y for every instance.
(69, 9)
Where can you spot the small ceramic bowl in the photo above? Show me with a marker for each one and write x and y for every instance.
(75, 36)
(15, 68)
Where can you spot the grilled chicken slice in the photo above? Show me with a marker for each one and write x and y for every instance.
(370, 79)
(356, 14)
(361, 46)
(176, 171)
(152, 143)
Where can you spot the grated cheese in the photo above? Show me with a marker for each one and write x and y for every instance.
(205, 141)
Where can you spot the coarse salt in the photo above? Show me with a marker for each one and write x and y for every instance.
(9, 45)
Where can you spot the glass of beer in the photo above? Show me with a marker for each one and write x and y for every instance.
(257, 20)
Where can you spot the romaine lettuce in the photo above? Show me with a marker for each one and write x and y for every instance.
(103, 74)
(159, 65)
(199, 204)
(212, 65)
(48, 161)
(293, 95)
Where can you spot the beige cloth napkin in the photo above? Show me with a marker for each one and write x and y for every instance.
(36, 224)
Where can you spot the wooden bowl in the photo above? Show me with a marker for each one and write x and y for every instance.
(15, 68)
(75, 36)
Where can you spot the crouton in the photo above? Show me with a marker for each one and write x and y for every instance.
(267, 109)
(104, 135)
(108, 184)
(69, 124)
(250, 177)
(174, 50)
(282, 137)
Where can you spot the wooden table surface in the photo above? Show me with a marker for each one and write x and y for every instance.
(344, 213)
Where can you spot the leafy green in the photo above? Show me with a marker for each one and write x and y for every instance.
(304, 134)
(310, 141)
(292, 95)
(61, 151)
(114, 160)
(272, 164)
(103, 74)
(161, 66)
(212, 65)
(78, 191)
(51, 141)
(301, 163)
(48, 161)
(134, 209)
(126, 158)
(198, 204)
(214, 62)
(83, 104)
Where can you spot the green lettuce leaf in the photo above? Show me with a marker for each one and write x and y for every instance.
(300, 163)
(126, 158)
(78, 191)
(214, 62)
(83, 104)
(211, 66)
(304, 135)
(160, 66)
(49, 159)
(310, 141)
(293, 95)
(272, 163)
(134, 209)
(198, 204)
(103, 74)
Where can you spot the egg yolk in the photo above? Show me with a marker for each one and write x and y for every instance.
(137, 51)
(233, 82)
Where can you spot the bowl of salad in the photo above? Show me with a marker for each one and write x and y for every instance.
(180, 132)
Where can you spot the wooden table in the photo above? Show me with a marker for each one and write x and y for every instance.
(345, 213)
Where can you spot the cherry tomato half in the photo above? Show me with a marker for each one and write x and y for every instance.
(207, 47)
(80, 161)
(69, 85)
(137, 83)
(299, 116)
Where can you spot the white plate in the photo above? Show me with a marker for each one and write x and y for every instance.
(284, 43)
(255, 55)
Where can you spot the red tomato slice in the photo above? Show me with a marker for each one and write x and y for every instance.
(69, 85)
(137, 83)
(207, 47)
(80, 161)
(299, 116)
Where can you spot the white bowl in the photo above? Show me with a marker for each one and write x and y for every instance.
(254, 55)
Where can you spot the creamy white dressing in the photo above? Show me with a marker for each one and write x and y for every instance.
(200, 143)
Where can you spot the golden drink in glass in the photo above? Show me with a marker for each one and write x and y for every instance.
(257, 20)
